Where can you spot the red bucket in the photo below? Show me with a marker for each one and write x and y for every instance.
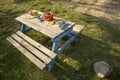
(48, 16)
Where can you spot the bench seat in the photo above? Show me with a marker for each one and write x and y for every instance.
(34, 51)
(77, 29)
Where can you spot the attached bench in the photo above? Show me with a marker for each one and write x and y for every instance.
(41, 56)
(35, 52)
(77, 29)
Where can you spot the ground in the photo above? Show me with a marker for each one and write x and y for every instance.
(108, 10)
(99, 41)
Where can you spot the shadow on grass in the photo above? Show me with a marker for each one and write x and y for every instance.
(10, 61)
(8, 17)
(86, 52)
(21, 1)
(112, 8)
(110, 31)
(92, 47)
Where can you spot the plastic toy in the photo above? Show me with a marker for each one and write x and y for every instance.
(48, 16)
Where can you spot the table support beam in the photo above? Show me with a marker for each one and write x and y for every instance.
(55, 46)
(71, 35)
(57, 39)
(24, 29)
(65, 45)
(63, 34)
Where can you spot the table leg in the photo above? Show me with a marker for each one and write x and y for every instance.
(24, 29)
(51, 65)
(60, 50)
(57, 39)
(55, 46)
(54, 49)
(70, 35)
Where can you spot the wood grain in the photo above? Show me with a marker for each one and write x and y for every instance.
(25, 52)
(38, 45)
(32, 49)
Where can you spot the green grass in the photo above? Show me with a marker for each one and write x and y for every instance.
(100, 40)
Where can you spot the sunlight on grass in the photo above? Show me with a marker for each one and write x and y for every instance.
(73, 63)
(99, 40)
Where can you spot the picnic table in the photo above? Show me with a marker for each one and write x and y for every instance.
(33, 50)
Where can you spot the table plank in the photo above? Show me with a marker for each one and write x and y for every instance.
(36, 27)
(50, 30)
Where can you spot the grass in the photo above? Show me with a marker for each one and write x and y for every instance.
(100, 40)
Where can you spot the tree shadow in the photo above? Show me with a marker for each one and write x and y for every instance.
(112, 8)
(21, 1)
(87, 52)
(93, 47)
(8, 16)
(111, 32)
(63, 71)
(10, 59)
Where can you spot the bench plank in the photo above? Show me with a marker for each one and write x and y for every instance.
(25, 52)
(77, 29)
(36, 52)
(37, 45)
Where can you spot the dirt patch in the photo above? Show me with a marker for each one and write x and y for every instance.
(104, 9)
(108, 10)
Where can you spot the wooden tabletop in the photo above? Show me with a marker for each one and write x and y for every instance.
(51, 31)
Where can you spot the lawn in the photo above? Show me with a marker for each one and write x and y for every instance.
(100, 41)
